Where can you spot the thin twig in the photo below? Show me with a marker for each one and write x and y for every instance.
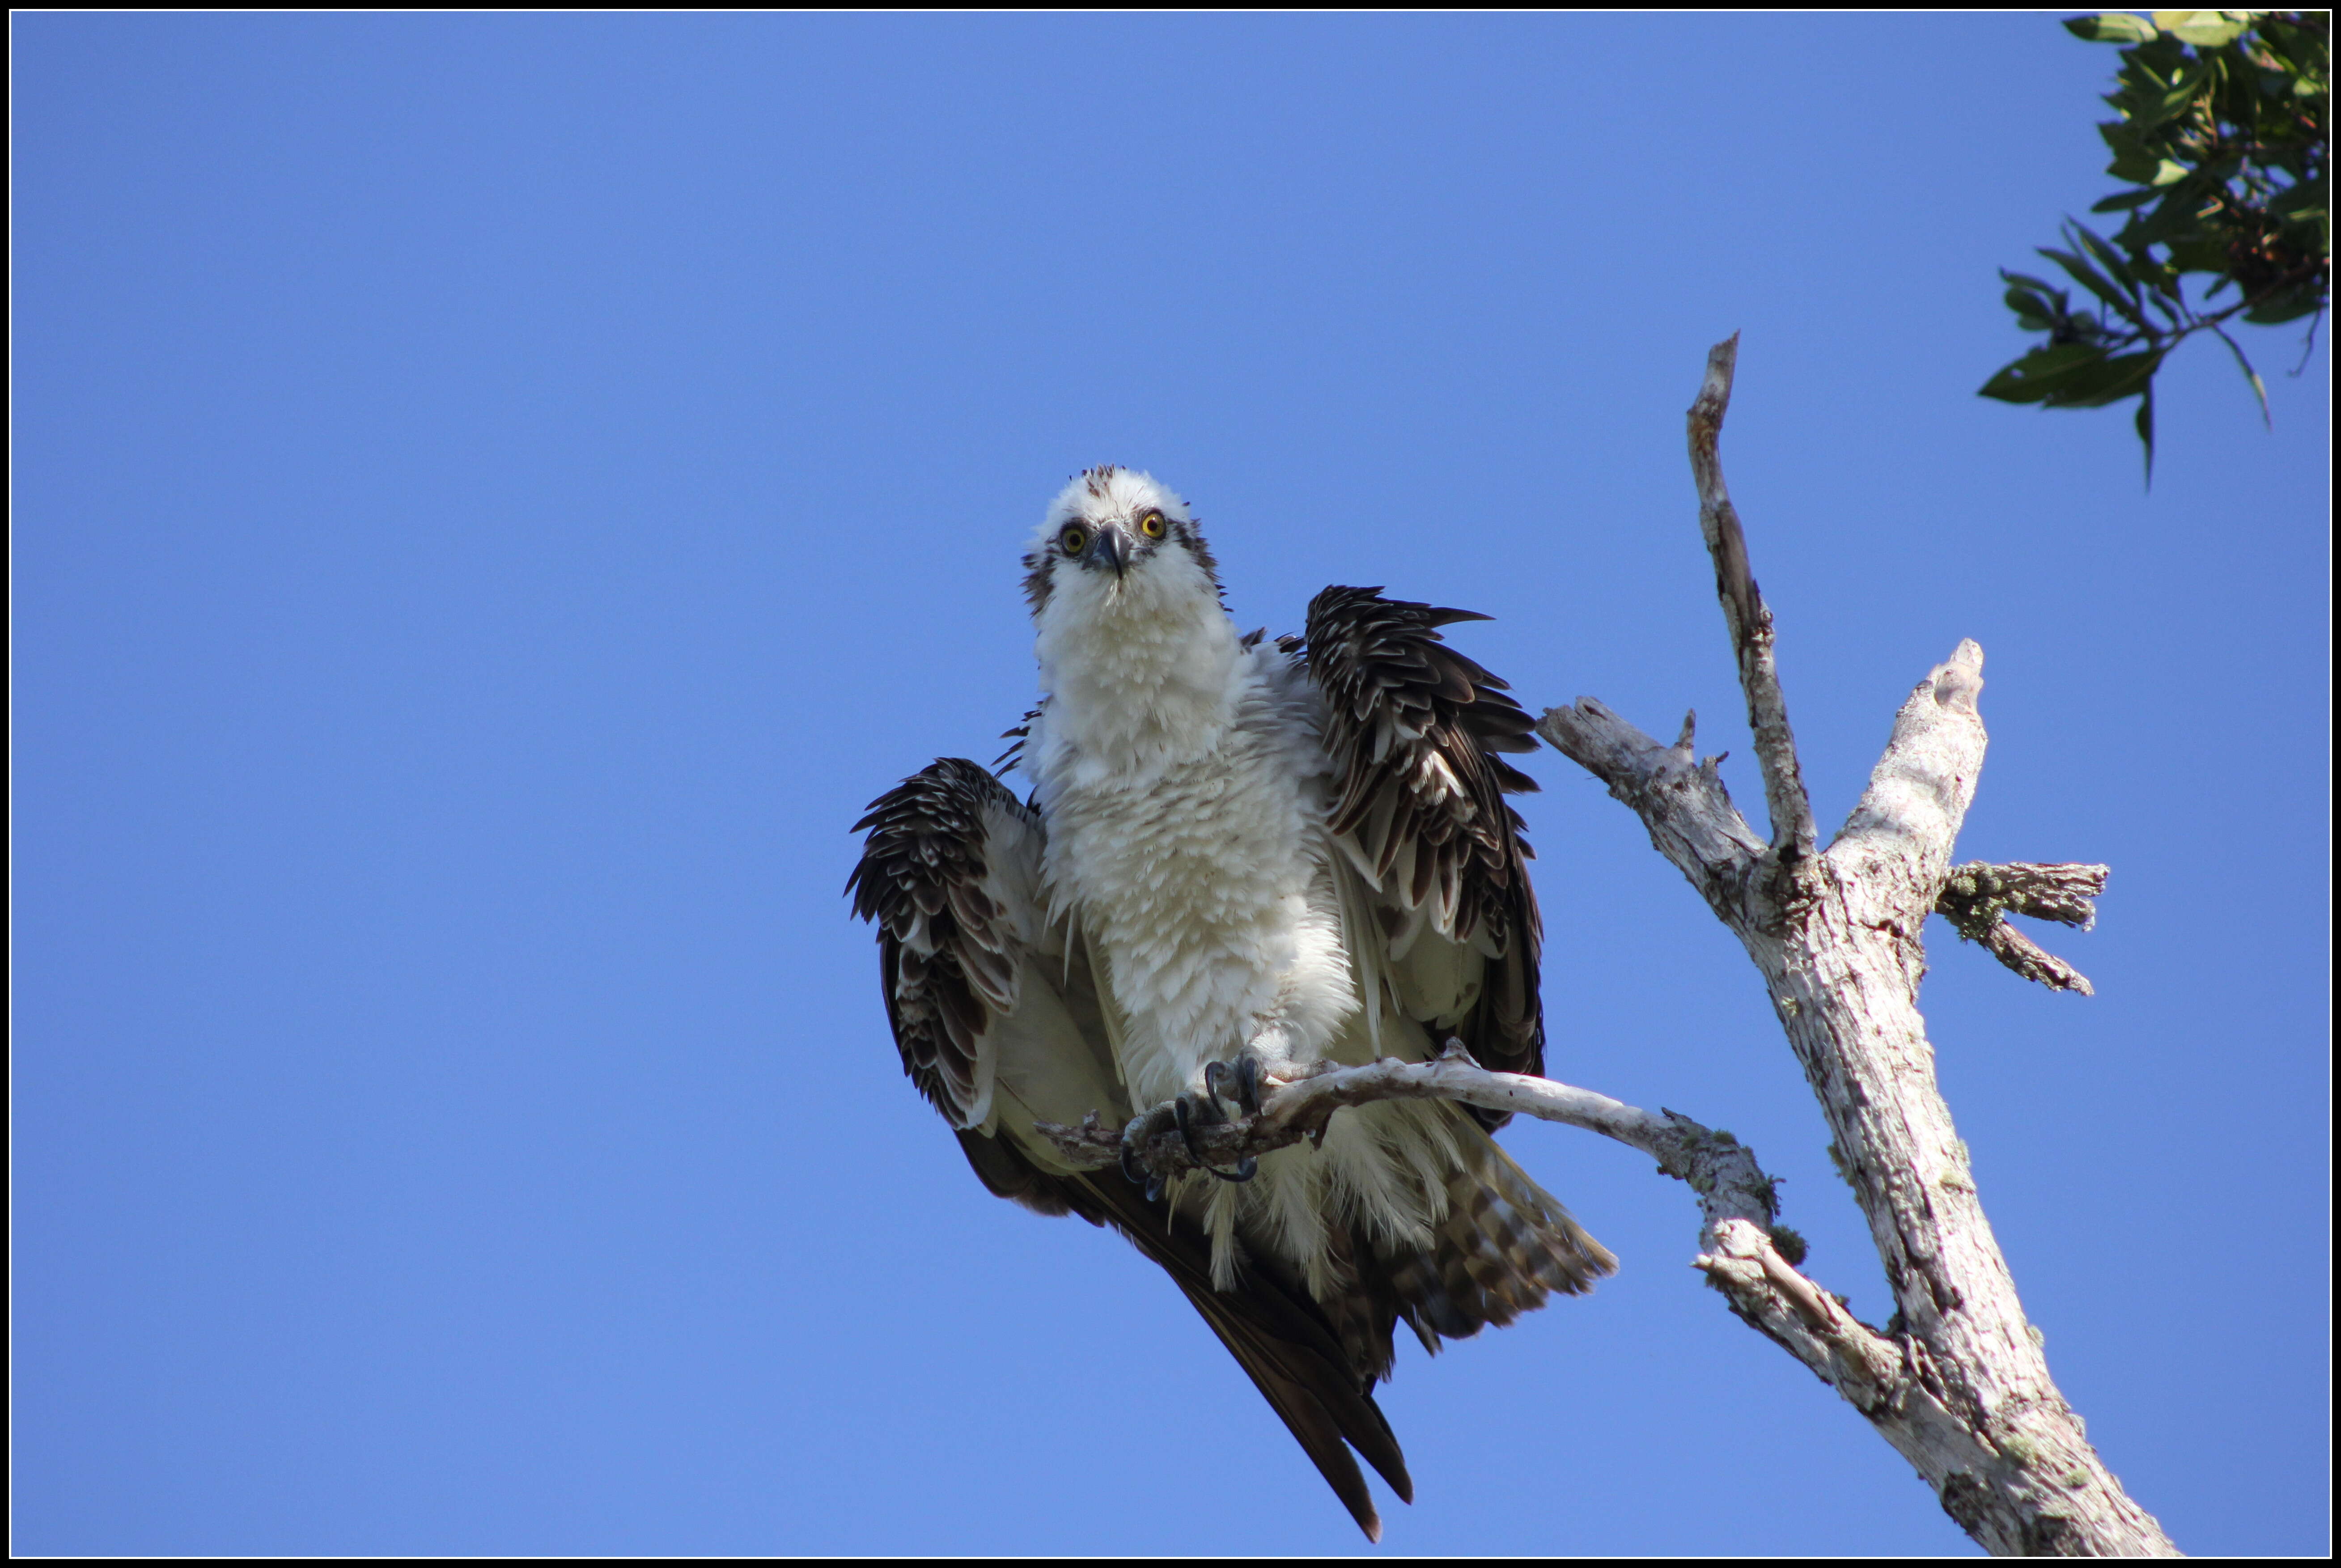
(1744, 614)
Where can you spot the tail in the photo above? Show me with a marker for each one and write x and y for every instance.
(1280, 1337)
(1504, 1247)
(1309, 1386)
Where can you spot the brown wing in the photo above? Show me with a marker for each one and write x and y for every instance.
(948, 952)
(1415, 730)
(952, 968)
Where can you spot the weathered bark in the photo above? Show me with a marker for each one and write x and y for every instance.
(1977, 897)
(1961, 1388)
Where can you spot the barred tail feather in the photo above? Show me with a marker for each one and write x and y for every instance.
(1504, 1246)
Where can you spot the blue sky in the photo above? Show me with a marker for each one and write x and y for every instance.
(493, 497)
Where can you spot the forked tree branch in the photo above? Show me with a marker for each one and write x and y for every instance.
(1839, 943)
(1977, 899)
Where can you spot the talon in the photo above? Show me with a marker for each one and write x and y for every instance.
(1153, 1188)
(1214, 1074)
(1185, 1128)
(1246, 1168)
(1132, 1172)
(1192, 1111)
(1243, 1073)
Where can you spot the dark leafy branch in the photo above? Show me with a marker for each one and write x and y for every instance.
(2220, 140)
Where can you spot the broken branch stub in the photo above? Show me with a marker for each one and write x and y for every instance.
(1978, 897)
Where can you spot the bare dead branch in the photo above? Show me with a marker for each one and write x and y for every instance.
(2065, 893)
(1909, 817)
(1715, 1165)
(1745, 615)
(1680, 799)
(2029, 960)
(1965, 1393)
(1978, 897)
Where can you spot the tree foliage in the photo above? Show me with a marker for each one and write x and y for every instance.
(2220, 140)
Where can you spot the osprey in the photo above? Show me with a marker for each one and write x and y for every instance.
(1240, 858)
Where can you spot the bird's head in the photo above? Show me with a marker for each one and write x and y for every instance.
(1116, 541)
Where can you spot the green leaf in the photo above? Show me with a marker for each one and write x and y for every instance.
(2122, 201)
(2110, 28)
(2086, 276)
(2174, 99)
(2288, 306)
(2199, 254)
(2306, 197)
(2177, 219)
(2033, 313)
(2145, 431)
(2112, 260)
(2259, 388)
(2203, 29)
(2038, 373)
(2108, 380)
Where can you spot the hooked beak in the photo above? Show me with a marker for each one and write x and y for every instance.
(1108, 548)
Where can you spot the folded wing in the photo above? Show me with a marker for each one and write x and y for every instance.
(997, 1017)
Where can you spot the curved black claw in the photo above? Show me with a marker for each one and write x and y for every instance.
(1132, 1171)
(1244, 1073)
(1247, 1068)
(1192, 1111)
(1203, 1110)
(1246, 1168)
(1215, 1078)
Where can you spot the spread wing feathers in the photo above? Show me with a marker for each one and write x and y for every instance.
(1280, 1337)
(1415, 730)
(948, 943)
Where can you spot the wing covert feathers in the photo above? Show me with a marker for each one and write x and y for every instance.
(948, 950)
(1415, 730)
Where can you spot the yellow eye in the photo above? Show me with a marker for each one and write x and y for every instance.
(1075, 541)
(1150, 525)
